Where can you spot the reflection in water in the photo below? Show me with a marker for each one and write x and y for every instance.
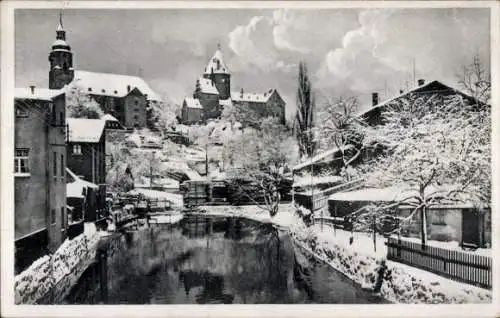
(215, 260)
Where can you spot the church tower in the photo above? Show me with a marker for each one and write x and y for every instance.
(217, 71)
(61, 60)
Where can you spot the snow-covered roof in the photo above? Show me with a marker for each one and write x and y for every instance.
(38, 93)
(217, 64)
(207, 86)
(161, 195)
(60, 42)
(85, 130)
(434, 86)
(193, 103)
(75, 189)
(390, 194)
(252, 97)
(108, 84)
(310, 181)
(319, 157)
(225, 102)
(108, 117)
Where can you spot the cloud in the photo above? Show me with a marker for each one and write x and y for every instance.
(250, 43)
(286, 22)
(378, 54)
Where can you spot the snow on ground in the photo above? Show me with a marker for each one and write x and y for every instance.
(452, 245)
(176, 199)
(51, 276)
(167, 218)
(360, 262)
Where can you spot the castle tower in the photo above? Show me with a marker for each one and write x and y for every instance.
(61, 60)
(217, 71)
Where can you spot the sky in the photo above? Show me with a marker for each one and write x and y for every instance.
(349, 52)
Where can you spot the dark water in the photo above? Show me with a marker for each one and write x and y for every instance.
(212, 260)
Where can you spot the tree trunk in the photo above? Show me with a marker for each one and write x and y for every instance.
(423, 225)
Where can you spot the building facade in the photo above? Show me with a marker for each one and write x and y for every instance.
(192, 111)
(86, 153)
(125, 97)
(39, 173)
(213, 92)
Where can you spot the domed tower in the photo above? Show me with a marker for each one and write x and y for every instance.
(217, 71)
(61, 60)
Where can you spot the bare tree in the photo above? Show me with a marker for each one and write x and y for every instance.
(475, 79)
(304, 119)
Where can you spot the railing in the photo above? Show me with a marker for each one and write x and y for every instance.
(456, 265)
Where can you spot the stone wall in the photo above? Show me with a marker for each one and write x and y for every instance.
(49, 279)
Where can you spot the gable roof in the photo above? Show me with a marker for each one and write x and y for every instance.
(191, 102)
(253, 97)
(207, 86)
(319, 157)
(430, 87)
(85, 130)
(217, 64)
(108, 84)
(109, 117)
(44, 94)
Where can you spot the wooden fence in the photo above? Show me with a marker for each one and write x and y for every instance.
(456, 265)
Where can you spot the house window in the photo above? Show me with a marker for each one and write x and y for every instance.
(62, 165)
(136, 117)
(21, 160)
(77, 149)
(61, 118)
(53, 216)
(136, 102)
(55, 163)
(21, 112)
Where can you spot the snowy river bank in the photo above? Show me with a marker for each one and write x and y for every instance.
(50, 278)
(359, 262)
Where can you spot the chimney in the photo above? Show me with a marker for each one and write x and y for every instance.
(241, 92)
(421, 82)
(128, 88)
(32, 87)
(400, 91)
(374, 99)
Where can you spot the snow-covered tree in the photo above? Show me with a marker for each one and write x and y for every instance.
(262, 156)
(242, 113)
(162, 115)
(304, 118)
(79, 104)
(436, 150)
(342, 129)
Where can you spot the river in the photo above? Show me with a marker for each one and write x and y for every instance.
(212, 260)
